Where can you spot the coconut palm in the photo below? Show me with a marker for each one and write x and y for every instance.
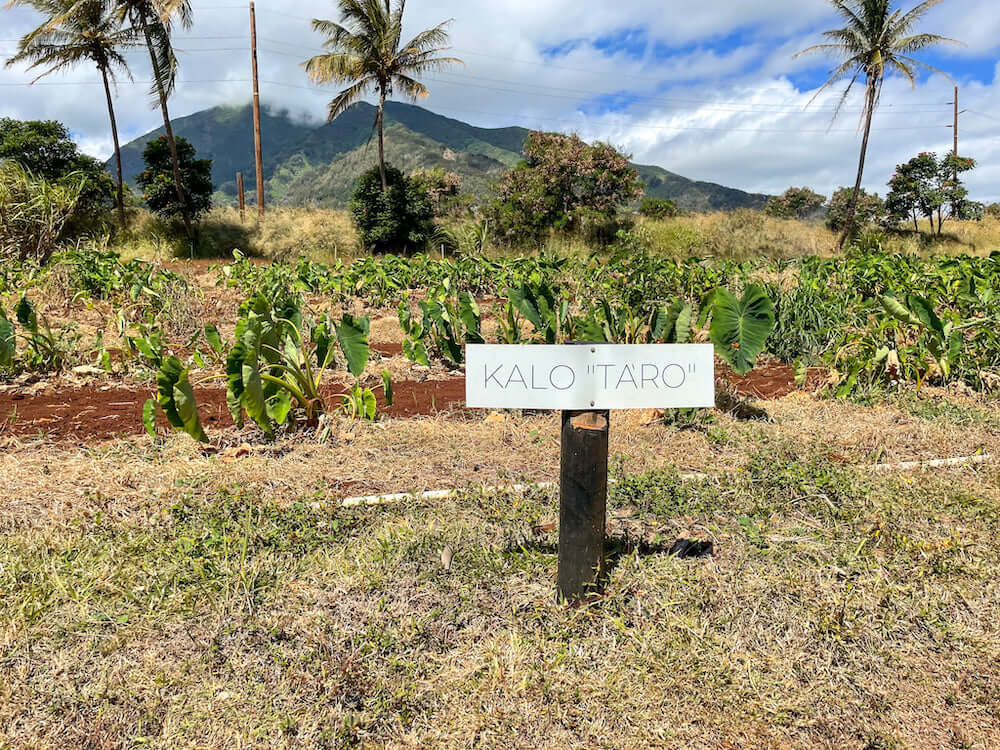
(365, 51)
(153, 19)
(876, 40)
(75, 32)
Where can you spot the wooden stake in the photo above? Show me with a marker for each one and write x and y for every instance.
(583, 498)
(243, 203)
(256, 114)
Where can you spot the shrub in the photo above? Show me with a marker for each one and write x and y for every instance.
(45, 150)
(563, 184)
(870, 209)
(157, 180)
(658, 208)
(399, 219)
(795, 203)
(992, 210)
(34, 213)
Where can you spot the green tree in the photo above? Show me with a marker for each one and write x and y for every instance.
(564, 184)
(158, 189)
(394, 218)
(992, 210)
(658, 208)
(365, 52)
(45, 150)
(795, 203)
(869, 208)
(877, 40)
(153, 19)
(924, 185)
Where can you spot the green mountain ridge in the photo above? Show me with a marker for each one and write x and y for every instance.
(318, 164)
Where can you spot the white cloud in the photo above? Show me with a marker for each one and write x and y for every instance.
(725, 113)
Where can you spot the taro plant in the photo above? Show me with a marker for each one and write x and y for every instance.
(46, 350)
(274, 371)
(740, 327)
(665, 324)
(8, 342)
(446, 324)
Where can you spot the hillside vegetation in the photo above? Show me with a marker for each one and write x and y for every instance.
(318, 164)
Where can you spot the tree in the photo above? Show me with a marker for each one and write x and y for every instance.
(876, 40)
(397, 217)
(795, 203)
(869, 208)
(442, 188)
(365, 51)
(658, 208)
(924, 185)
(159, 191)
(45, 150)
(75, 32)
(153, 19)
(992, 210)
(564, 184)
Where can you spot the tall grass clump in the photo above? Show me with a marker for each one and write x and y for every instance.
(33, 214)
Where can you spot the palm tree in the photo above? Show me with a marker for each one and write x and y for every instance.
(73, 33)
(153, 19)
(876, 40)
(365, 51)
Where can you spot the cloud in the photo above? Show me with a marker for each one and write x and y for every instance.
(705, 88)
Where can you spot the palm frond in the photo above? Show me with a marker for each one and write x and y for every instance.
(349, 96)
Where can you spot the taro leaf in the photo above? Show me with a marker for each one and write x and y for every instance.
(924, 311)
(523, 301)
(187, 407)
(682, 325)
(588, 329)
(471, 318)
(198, 359)
(897, 310)
(368, 404)
(416, 352)
(322, 337)
(706, 307)
(279, 406)
(659, 324)
(176, 398)
(149, 416)
(7, 342)
(26, 315)
(955, 342)
(254, 400)
(801, 372)
(143, 347)
(214, 339)
(352, 335)
(387, 387)
(234, 378)
(740, 327)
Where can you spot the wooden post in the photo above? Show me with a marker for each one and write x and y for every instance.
(256, 114)
(243, 203)
(583, 498)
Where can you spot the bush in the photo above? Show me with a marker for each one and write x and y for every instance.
(658, 208)
(34, 213)
(992, 210)
(870, 209)
(566, 185)
(45, 150)
(157, 181)
(795, 203)
(399, 219)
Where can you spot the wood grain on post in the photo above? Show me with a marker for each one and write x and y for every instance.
(583, 498)
(239, 190)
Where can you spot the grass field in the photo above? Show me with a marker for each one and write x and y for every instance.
(323, 235)
(154, 595)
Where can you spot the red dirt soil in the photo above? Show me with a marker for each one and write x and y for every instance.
(94, 413)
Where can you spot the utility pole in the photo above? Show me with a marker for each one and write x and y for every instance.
(243, 204)
(256, 115)
(956, 127)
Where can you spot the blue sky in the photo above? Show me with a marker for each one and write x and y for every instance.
(706, 88)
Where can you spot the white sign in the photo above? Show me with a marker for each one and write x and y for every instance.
(590, 376)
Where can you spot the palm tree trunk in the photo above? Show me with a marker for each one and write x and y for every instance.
(853, 205)
(118, 150)
(381, 143)
(168, 129)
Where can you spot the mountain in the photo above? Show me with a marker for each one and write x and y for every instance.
(318, 164)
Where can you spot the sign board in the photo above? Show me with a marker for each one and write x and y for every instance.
(590, 376)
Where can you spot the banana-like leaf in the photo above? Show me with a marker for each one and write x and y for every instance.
(524, 302)
(740, 327)
(352, 335)
(254, 399)
(26, 315)
(471, 318)
(279, 406)
(682, 325)
(659, 324)
(187, 407)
